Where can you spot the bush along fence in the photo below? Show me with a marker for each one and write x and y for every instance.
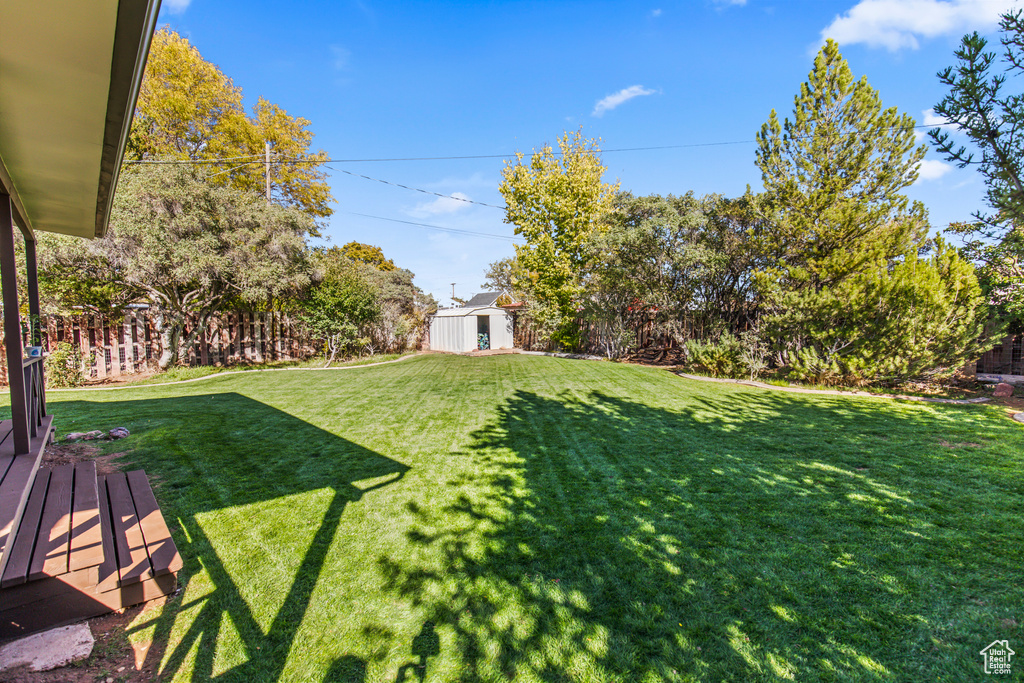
(642, 340)
(131, 345)
(596, 337)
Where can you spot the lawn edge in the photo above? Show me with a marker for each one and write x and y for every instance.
(238, 372)
(833, 392)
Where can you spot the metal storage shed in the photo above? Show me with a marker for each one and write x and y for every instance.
(458, 329)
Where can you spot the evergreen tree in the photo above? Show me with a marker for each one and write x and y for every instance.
(892, 321)
(993, 121)
(847, 295)
(835, 173)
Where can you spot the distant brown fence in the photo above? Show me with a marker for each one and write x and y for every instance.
(132, 344)
(1007, 358)
(594, 336)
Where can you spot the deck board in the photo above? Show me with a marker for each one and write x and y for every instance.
(17, 483)
(132, 558)
(108, 577)
(50, 557)
(163, 554)
(6, 427)
(25, 540)
(86, 542)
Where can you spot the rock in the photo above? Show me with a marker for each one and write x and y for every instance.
(1003, 390)
(1019, 417)
(118, 433)
(74, 436)
(49, 649)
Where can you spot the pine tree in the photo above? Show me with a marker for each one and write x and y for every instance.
(848, 297)
(835, 173)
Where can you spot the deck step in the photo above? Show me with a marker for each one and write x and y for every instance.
(17, 476)
(96, 544)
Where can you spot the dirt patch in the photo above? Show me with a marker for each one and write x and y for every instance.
(82, 451)
(113, 658)
(963, 444)
(120, 380)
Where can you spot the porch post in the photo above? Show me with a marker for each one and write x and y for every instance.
(36, 322)
(35, 335)
(12, 328)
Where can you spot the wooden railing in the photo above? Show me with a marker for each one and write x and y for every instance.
(35, 394)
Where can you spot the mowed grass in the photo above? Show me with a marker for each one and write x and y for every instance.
(538, 519)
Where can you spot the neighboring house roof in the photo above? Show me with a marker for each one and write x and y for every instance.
(483, 299)
(70, 73)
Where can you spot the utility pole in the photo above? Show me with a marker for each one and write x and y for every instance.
(453, 292)
(266, 147)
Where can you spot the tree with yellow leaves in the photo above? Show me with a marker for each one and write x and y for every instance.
(556, 201)
(189, 110)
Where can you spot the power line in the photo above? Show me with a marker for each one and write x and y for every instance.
(309, 160)
(490, 235)
(415, 189)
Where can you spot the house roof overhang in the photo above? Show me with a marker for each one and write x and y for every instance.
(70, 73)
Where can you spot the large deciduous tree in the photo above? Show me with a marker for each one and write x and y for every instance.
(185, 247)
(339, 304)
(555, 201)
(992, 120)
(682, 263)
(189, 110)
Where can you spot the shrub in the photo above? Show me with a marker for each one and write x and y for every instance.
(721, 358)
(65, 366)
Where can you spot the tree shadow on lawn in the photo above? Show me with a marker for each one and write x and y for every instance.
(217, 452)
(747, 536)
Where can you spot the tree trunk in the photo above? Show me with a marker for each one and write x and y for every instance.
(170, 329)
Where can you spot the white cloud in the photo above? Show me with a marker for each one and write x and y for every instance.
(655, 12)
(339, 57)
(441, 206)
(896, 24)
(931, 169)
(177, 6)
(930, 118)
(731, 2)
(625, 95)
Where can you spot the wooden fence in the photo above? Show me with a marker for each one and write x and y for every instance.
(1005, 359)
(594, 336)
(132, 345)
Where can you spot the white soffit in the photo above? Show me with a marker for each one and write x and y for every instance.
(69, 73)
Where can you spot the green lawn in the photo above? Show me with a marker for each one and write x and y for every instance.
(539, 519)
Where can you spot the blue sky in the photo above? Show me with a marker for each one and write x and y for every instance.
(384, 80)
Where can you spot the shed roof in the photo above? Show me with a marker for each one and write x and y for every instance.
(484, 299)
(465, 311)
(69, 76)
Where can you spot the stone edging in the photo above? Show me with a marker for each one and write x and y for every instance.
(236, 372)
(574, 356)
(832, 392)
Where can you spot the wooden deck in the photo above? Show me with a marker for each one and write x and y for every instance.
(84, 544)
(16, 477)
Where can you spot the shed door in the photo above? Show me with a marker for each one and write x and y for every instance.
(483, 332)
